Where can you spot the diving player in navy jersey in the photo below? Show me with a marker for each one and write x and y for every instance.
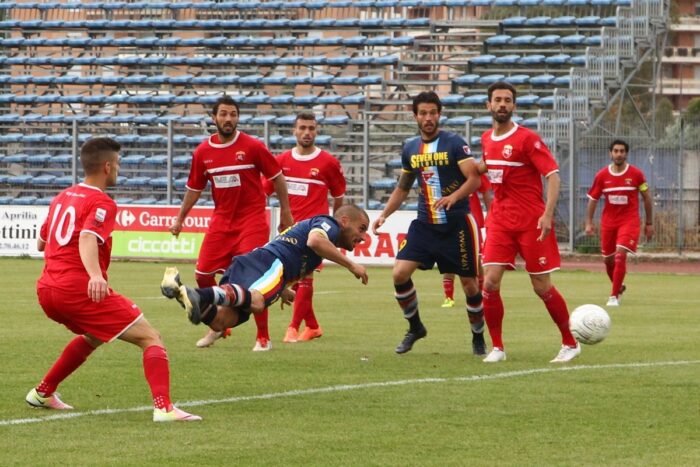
(257, 279)
(444, 231)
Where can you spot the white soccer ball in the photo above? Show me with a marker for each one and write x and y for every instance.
(589, 324)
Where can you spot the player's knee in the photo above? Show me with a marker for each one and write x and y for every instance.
(400, 277)
(257, 302)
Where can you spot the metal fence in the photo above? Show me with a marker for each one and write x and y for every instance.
(671, 164)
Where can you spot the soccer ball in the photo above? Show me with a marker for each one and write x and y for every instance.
(589, 324)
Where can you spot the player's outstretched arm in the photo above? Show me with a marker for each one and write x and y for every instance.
(325, 249)
(398, 196)
(188, 201)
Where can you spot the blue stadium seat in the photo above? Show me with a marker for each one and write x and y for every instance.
(542, 80)
(15, 158)
(573, 39)
(284, 41)
(336, 120)
(462, 120)
(547, 39)
(525, 39)
(517, 79)
(44, 179)
(307, 41)
(134, 159)
(291, 60)
(482, 121)
(482, 59)
(558, 59)
(137, 181)
(578, 60)
(527, 100)
(281, 99)
(253, 80)
(510, 59)
(358, 98)
(43, 201)
(490, 79)
(547, 101)
(337, 60)
(315, 60)
(394, 163)
(499, 39)
(514, 21)
(63, 181)
(466, 79)
(286, 120)
(260, 98)
(452, 99)
(38, 158)
(383, 184)
(19, 179)
(123, 200)
(535, 59)
(322, 79)
(24, 200)
(588, 21)
(274, 79)
(530, 122)
(328, 99)
(266, 60)
(561, 21)
(159, 160)
(562, 81)
(59, 138)
(308, 99)
(475, 99)
(332, 40)
(593, 41)
(298, 79)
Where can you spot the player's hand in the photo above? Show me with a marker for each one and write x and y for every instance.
(359, 271)
(176, 228)
(590, 230)
(378, 222)
(544, 224)
(648, 232)
(287, 296)
(97, 288)
(286, 220)
(446, 203)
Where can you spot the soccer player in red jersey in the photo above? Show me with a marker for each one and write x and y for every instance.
(73, 290)
(312, 174)
(448, 280)
(233, 163)
(519, 220)
(620, 183)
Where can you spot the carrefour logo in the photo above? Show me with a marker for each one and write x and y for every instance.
(125, 218)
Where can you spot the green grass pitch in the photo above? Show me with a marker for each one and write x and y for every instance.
(348, 399)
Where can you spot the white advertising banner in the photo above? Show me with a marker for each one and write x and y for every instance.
(19, 229)
(382, 248)
(20, 225)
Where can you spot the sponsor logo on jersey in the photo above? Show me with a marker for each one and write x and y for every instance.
(326, 226)
(100, 214)
(507, 151)
(226, 181)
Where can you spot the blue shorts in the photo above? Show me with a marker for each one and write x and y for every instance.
(453, 246)
(258, 270)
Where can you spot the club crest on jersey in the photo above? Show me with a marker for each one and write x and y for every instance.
(100, 214)
(314, 172)
(628, 181)
(240, 155)
(427, 176)
(507, 151)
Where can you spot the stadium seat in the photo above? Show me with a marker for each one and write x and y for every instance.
(517, 79)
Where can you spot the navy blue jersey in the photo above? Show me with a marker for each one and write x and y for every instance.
(436, 166)
(290, 246)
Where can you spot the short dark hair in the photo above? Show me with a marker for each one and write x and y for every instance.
(305, 116)
(225, 100)
(426, 97)
(352, 211)
(501, 85)
(95, 151)
(619, 141)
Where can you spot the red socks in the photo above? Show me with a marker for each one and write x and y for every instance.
(493, 314)
(556, 306)
(157, 371)
(619, 275)
(303, 305)
(261, 323)
(448, 285)
(73, 355)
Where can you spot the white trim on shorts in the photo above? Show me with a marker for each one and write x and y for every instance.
(125, 329)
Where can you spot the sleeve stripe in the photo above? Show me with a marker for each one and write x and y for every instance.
(275, 176)
(550, 173)
(321, 231)
(464, 160)
(99, 237)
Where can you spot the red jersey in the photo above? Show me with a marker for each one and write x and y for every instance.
(621, 191)
(80, 208)
(234, 171)
(475, 203)
(516, 163)
(309, 180)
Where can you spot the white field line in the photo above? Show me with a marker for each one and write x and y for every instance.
(347, 387)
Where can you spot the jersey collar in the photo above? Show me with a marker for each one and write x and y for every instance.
(618, 174)
(311, 156)
(219, 145)
(85, 185)
(505, 135)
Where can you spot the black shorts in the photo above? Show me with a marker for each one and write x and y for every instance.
(453, 246)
